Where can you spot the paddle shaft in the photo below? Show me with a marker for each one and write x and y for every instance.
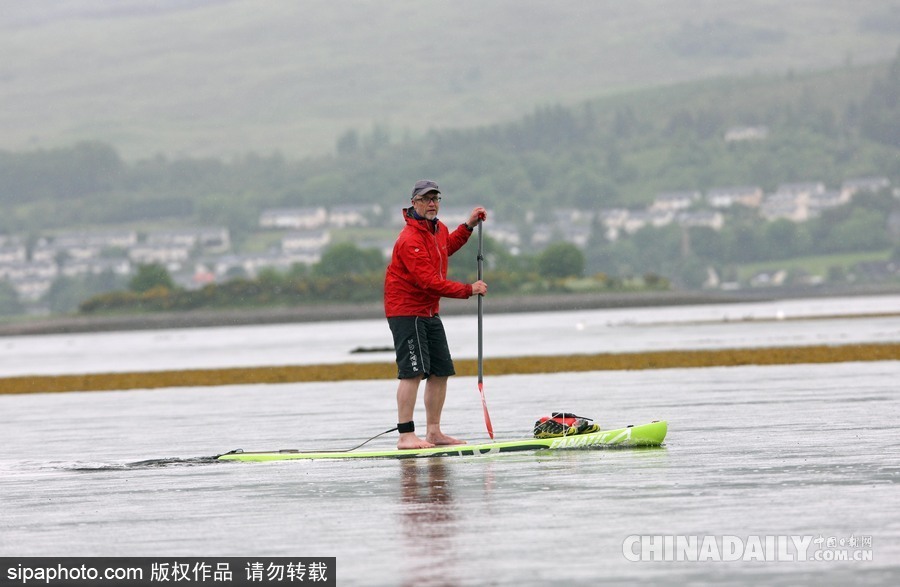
(480, 307)
(487, 416)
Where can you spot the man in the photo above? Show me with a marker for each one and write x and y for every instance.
(415, 281)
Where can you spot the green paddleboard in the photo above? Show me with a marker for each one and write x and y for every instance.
(651, 434)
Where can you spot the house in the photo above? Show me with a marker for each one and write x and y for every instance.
(19, 270)
(345, 215)
(453, 216)
(769, 278)
(506, 234)
(613, 221)
(82, 245)
(31, 288)
(785, 205)
(639, 219)
(305, 240)
(171, 255)
(876, 271)
(613, 217)
(303, 256)
(30, 279)
(300, 218)
(701, 218)
(544, 234)
(725, 197)
(851, 187)
(568, 216)
(96, 267)
(825, 200)
(746, 133)
(250, 265)
(578, 234)
(670, 201)
(791, 201)
(13, 252)
(212, 240)
(801, 189)
(108, 239)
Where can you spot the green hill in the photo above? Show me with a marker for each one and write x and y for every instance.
(194, 78)
(621, 150)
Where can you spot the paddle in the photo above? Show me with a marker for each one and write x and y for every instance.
(487, 417)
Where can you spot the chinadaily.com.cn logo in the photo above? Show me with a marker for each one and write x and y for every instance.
(643, 548)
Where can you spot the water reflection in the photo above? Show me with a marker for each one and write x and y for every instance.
(429, 525)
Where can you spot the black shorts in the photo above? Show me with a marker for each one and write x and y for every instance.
(422, 348)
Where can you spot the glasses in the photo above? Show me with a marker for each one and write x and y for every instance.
(435, 199)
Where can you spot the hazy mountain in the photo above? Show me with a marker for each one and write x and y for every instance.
(205, 77)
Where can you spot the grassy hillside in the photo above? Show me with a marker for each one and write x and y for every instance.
(619, 150)
(202, 77)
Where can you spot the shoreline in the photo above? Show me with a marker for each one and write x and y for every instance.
(666, 359)
(449, 307)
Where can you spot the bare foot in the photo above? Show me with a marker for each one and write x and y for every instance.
(410, 440)
(442, 439)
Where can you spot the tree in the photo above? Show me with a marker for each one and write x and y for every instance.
(348, 143)
(881, 108)
(149, 277)
(348, 259)
(782, 239)
(863, 231)
(561, 260)
(9, 300)
(66, 293)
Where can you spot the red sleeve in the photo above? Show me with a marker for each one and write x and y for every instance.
(458, 238)
(419, 264)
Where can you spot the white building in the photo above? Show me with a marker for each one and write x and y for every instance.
(25, 269)
(211, 239)
(725, 197)
(31, 289)
(251, 265)
(506, 234)
(172, 256)
(746, 133)
(829, 199)
(13, 252)
(793, 207)
(344, 215)
(305, 240)
(670, 201)
(851, 187)
(640, 219)
(702, 218)
(299, 218)
(801, 189)
(101, 239)
(96, 267)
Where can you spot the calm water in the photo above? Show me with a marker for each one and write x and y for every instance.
(785, 450)
(547, 333)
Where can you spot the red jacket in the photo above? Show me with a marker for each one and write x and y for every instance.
(416, 279)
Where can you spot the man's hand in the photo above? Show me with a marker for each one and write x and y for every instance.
(479, 288)
(477, 214)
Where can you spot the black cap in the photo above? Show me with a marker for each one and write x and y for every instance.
(423, 186)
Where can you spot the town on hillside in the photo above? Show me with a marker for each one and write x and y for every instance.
(202, 255)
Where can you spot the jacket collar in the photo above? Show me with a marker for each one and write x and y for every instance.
(409, 214)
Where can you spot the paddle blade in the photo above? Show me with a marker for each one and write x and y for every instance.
(487, 417)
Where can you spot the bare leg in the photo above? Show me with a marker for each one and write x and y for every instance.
(435, 393)
(407, 390)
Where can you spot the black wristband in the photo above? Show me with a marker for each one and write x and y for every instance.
(404, 427)
(469, 228)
